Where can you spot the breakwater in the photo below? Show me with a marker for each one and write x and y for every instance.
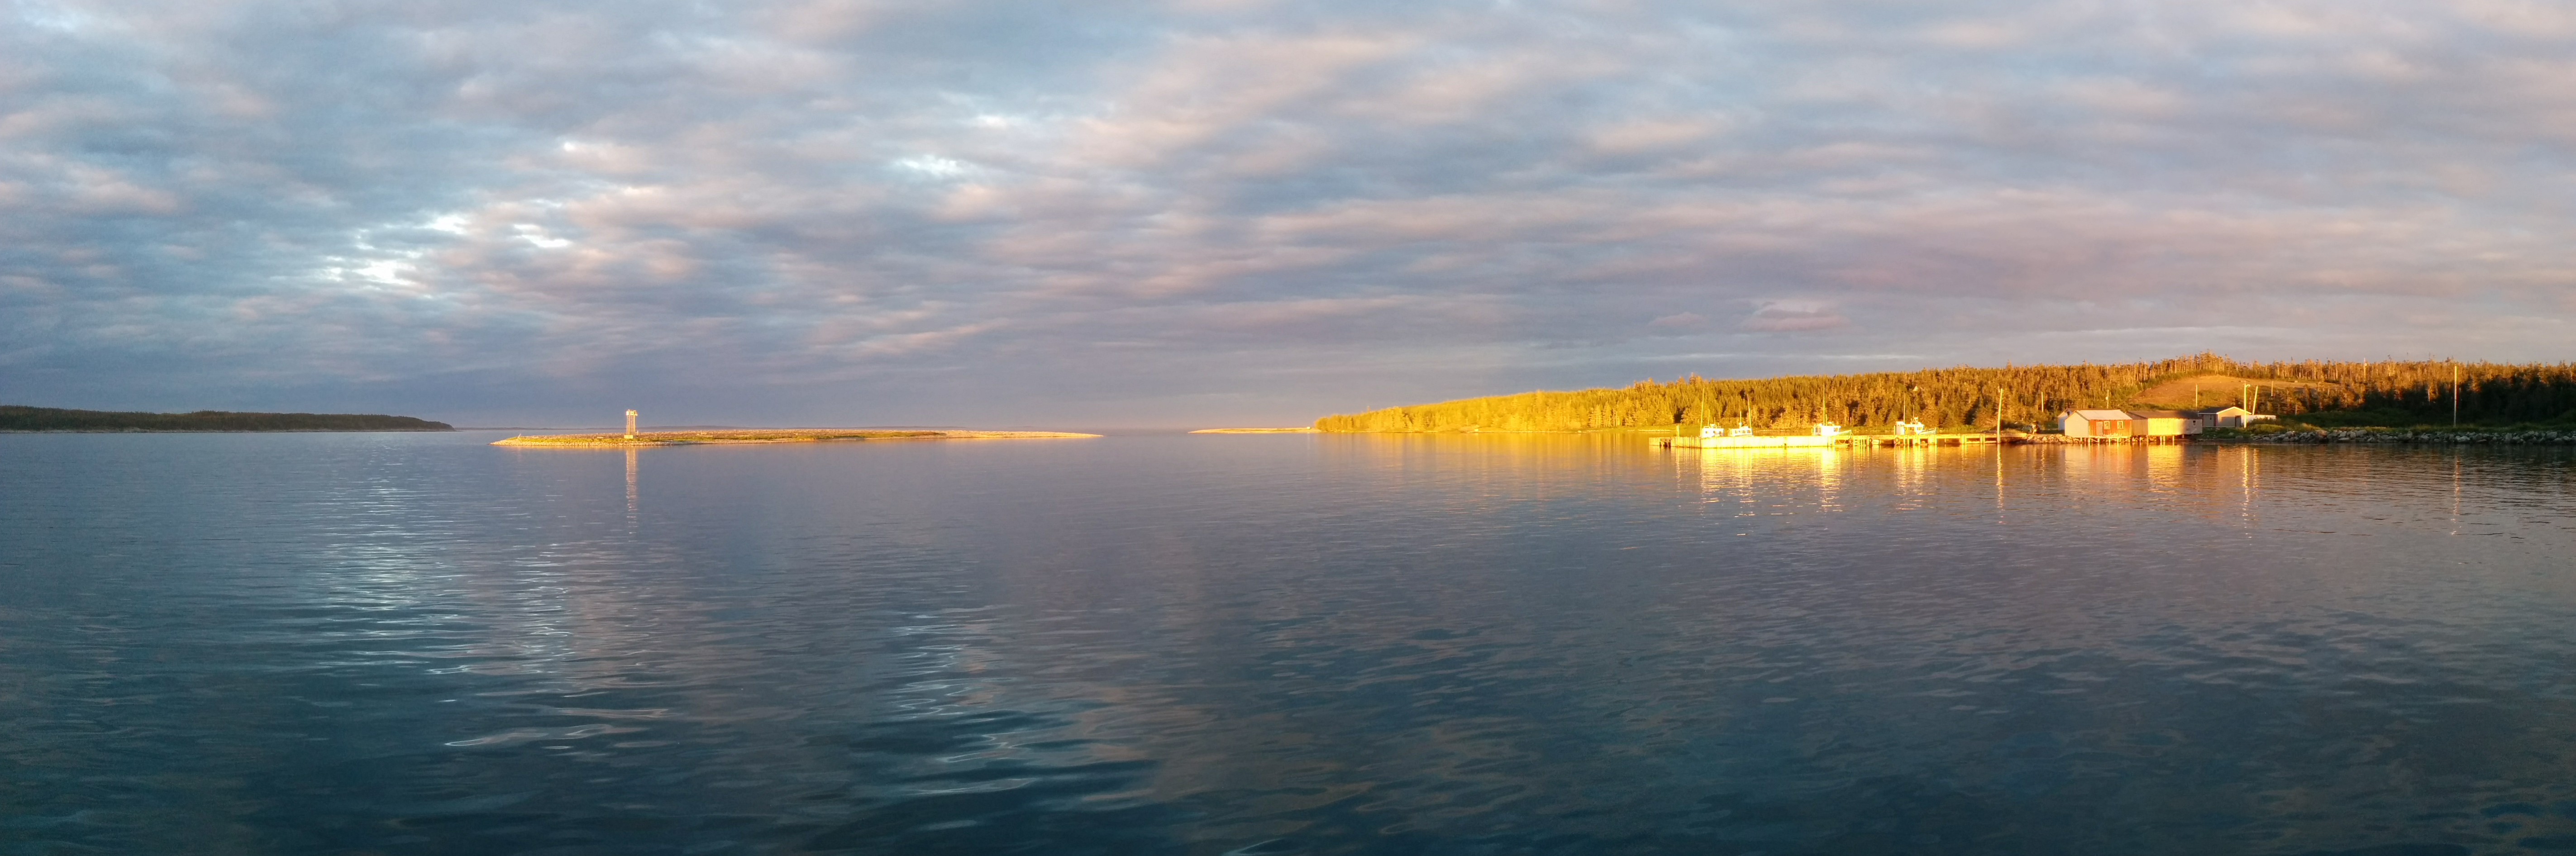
(2410, 435)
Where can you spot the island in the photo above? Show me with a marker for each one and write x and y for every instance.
(15, 417)
(742, 436)
(1257, 431)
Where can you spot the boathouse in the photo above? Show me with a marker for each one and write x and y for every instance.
(2231, 417)
(2168, 423)
(2129, 423)
(2095, 423)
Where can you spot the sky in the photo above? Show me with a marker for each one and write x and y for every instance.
(1231, 212)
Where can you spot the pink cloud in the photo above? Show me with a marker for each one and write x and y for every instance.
(1790, 316)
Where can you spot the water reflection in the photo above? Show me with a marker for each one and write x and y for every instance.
(1770, 478)
(1999, 466)
(1911, 468)
(1286, 644)
(2164, 467)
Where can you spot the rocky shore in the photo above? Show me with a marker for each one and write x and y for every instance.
(2409, 435)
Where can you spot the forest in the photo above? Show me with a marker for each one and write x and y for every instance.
(2319, 392)
(22, 418)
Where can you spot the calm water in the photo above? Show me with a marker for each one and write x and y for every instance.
(418, 644)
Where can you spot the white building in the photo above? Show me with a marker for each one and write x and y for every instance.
(2231, 417)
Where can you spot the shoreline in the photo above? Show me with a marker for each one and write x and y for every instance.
(755, 437)
(230, 430)
(2420, 436)
(2464, 436)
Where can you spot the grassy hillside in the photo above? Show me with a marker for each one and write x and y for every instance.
(2350, 393)
(20, 418)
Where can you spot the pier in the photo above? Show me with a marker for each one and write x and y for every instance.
(1745, 442)
(1838, 441)
(1902, 440)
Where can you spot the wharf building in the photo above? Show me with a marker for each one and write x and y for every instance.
(2148, 424)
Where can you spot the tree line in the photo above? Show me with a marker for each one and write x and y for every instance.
(22, 418)
(2396, 392)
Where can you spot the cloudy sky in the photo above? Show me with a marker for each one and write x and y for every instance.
(1205, 212)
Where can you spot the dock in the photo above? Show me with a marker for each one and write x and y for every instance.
(1931, 440)
(1746, 442)
(1839, 441)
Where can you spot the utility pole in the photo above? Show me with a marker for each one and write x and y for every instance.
(1999, 414)
(2455, 395)
(630, 424)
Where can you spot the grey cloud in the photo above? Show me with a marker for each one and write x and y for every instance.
(847, 211)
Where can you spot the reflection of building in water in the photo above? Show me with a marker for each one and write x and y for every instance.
(2164, 468)
(1911, 469)
(2156, 468)
(1772, 476)
(2085, 463)
(1829, 477)
(2215, 483)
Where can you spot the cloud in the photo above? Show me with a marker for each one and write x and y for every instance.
(978, 209)
(1789, 316)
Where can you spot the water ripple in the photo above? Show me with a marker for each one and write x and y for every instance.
(1275, 645)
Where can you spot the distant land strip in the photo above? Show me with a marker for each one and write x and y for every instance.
(2318, 394)
(756, 435)
(1255, 431)
(15, 417)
